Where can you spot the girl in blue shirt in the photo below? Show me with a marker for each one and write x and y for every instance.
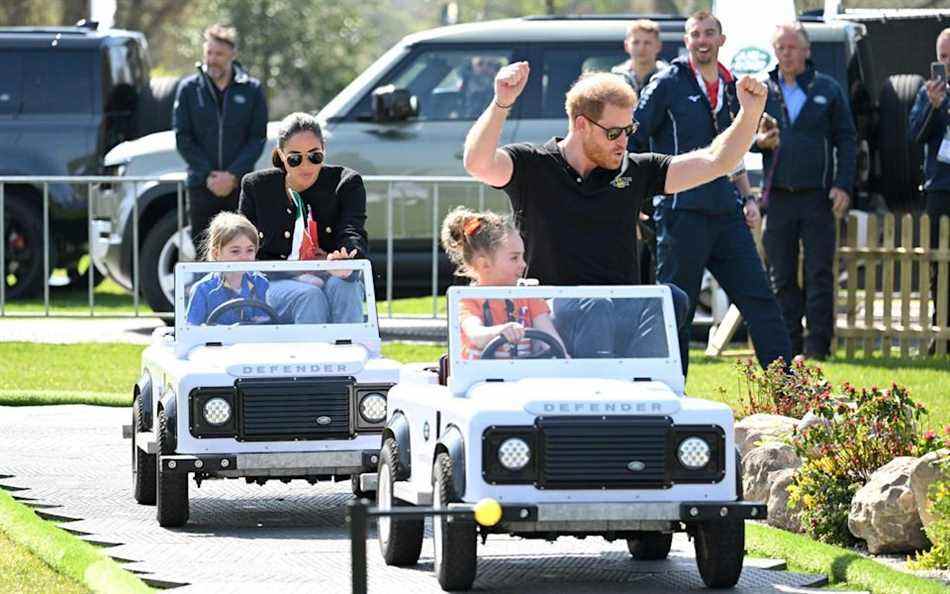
(230, 238)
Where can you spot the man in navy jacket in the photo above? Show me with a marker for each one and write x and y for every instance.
(930, 126)
(809, 163)
(682, 109)
(220, 123)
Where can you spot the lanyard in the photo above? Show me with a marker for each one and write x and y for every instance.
(722, 96)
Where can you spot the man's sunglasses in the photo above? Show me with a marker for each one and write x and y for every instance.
(614, 133)
(295, 159)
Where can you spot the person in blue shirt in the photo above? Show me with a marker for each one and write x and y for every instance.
(930, 126)
(231, 238)
(682, 109)
(809, 163)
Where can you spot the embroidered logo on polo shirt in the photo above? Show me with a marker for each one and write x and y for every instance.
(621, 182)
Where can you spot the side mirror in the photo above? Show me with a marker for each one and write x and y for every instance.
(393, 105)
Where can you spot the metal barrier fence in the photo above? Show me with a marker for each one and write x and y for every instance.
(412, 208)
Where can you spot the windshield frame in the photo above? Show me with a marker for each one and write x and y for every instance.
(188, 336)
(465, 373)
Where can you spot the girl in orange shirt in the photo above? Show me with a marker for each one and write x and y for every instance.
(487, 248)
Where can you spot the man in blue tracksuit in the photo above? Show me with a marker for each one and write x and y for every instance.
(809, 163)
(220, 123)
(684, 108)
(930, 126)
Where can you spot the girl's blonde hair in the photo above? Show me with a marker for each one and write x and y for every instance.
(224, 227)
(467, 234)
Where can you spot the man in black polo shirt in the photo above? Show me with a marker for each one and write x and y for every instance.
(577, 199)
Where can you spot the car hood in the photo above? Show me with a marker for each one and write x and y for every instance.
(578, 396)
(267, 360)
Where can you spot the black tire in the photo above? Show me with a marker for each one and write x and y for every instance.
(23, 252)
(158, 257)
(455, 543)
(650, 546)
(153, 110)
(900, 159)
(171, 501)
(143, 464)
(400, 541)
(720, 550)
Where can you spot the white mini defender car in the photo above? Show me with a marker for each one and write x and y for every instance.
(606, 446)
(241, 391)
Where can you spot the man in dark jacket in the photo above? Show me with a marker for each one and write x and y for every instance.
(930, 126)
(809, 161)
(682, 109)
(220, 123)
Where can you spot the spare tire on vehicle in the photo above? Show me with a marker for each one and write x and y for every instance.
(154, 109)
(900, 158)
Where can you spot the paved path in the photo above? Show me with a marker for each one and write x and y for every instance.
(72, 465)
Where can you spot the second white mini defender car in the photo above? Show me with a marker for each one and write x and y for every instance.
(600, 441)
(252, 384)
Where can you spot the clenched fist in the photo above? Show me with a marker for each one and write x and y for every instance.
(752, 95)
(509, 82)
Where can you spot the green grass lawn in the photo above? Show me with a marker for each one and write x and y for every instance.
(22, 572)
(105, 373)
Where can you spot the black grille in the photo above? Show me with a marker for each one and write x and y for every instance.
(289, 409)
(598, 452)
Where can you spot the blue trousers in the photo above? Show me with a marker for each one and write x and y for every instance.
(602, 327)
(337, 302)
(689, 241)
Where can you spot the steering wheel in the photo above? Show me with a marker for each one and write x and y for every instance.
(239, 303)
(554, 350)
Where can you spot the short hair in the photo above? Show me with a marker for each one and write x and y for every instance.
(222, 34)
(593, 91)
(793, 26)
(702, 15)
(645, 26)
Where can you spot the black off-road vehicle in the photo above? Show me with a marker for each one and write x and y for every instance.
(67, 96)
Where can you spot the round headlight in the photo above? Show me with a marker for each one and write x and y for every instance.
(217, 411)
(514, 453)
(373, 407)
(693, 452)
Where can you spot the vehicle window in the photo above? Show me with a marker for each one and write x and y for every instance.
(643, 334)
(123, 66)
(10, 83)
(275, 298)
(448, 84)
(563, 66)
(58, 83)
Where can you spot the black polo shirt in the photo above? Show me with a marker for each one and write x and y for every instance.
(580, 231)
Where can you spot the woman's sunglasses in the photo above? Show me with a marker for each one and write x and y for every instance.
(295, 159)
(614, 133)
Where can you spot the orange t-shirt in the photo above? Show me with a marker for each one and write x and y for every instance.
(523, 311)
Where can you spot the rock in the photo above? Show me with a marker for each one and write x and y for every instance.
(762, 460)
(762, 428)
(923, 474)
(884, 511)
(779, 514)
(810, 420)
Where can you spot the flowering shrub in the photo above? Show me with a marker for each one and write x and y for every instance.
(938, 557)
(823, 491)
(858, 432)
(776, 391)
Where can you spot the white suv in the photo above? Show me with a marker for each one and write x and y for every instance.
(239, 392)
(607, 447)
